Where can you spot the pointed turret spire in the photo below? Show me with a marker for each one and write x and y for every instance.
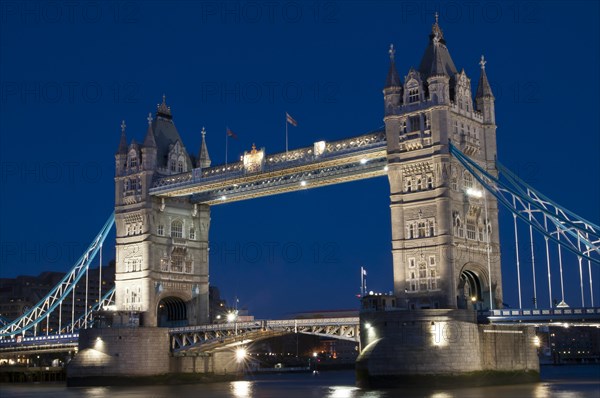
(123, 143)
(393, 80)
(436, 60)
(149, 141)
(203, 157)
(483, 87)
(164, 110)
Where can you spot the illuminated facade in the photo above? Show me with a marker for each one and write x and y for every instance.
(162, 243)
(442, 224)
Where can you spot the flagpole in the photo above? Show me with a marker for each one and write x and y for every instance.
(226, 142)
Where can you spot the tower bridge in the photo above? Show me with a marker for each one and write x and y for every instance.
(438, 151)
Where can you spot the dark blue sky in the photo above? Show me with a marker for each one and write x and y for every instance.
(70, 72)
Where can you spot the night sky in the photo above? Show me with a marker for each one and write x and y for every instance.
(71, 71)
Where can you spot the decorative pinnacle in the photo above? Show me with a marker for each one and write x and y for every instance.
(149, 118)
(123, 125)
(392, 52)
(482, 62)
(203, 132)
(436, 17)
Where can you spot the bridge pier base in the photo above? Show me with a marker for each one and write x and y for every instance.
(141, 355)
(441, 347)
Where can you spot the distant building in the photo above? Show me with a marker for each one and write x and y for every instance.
(18, 295)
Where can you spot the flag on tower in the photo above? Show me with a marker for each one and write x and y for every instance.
(231, 134)
(291, 120)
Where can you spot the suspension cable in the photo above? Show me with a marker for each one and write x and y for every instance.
(548, 263)
(517, 256)
(532, 261)
(562, 285)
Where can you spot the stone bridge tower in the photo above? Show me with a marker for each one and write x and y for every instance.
(161, 248)
(443, 224)
(442, 221)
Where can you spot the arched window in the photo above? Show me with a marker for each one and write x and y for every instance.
(431, 230)
(467, 180)
(192, 233)
(180, 167)
(409, 184)
(176, 229)
(421, 230)
(471, 234)
(173, 165)
(411, 231)
(413, 95)
(459, 228)
(419, 184)
(429, 182)
(133, 161)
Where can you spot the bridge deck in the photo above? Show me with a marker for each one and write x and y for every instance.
(259, 174)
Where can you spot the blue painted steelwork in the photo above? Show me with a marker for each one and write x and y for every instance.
(523, 201)
(53, 299)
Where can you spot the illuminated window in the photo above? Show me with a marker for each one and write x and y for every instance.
(467, 180)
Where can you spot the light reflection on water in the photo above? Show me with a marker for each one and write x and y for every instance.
(563, 382)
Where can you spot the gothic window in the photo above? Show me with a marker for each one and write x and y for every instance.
(429, 182)
(415, 123)
(462, 129)
(421, 231)
(431, 230)
(481, 234)
(176, 229)
(411, 231)
(419, 184)
(177, 259)
(160, 229)
(455, 127)
(403, 127)
(412, 274)
(411, 263)
(408, 184)
(467, 180)
(192, 235)
(188, 267)
(471, 229)
(413, 95)
(423, 285)
(173, 165)
(413, 286)
(460, 231)
(133, 159)
(180, 166)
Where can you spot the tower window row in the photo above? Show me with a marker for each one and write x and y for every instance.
(176, 230)
(418, 183)
(422, 228)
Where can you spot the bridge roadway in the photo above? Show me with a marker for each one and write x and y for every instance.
(261, 174)
(217, 336)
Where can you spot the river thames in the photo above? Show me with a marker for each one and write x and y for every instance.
(557, 381)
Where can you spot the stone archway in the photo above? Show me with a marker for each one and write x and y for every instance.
(171, 312)
(472, 288)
